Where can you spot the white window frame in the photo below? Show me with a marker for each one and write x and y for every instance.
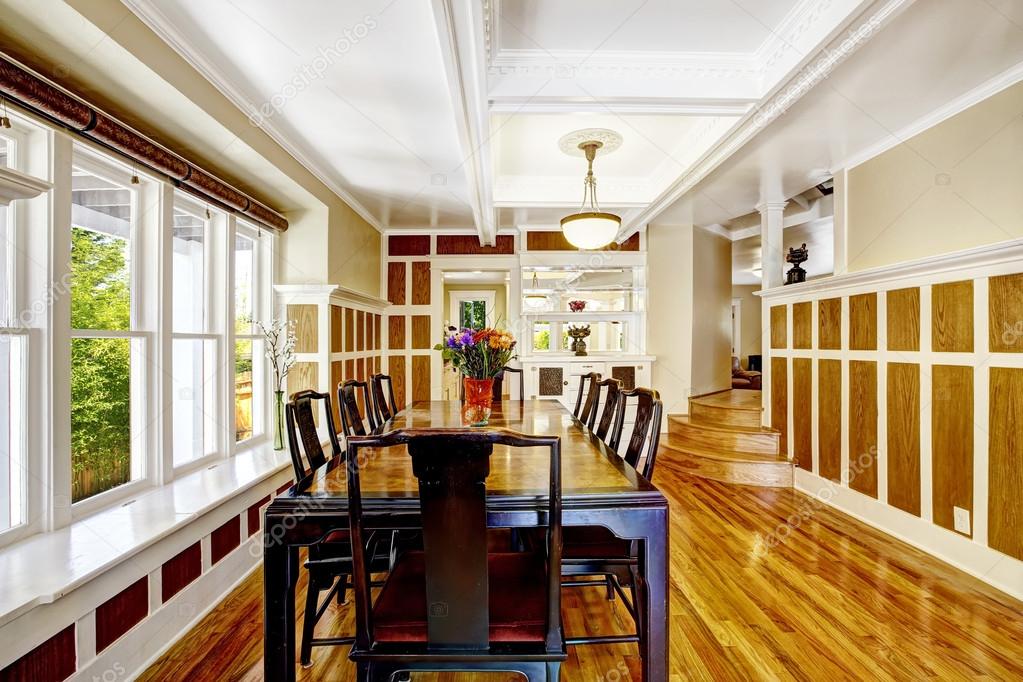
(262, 274)
(10, 329)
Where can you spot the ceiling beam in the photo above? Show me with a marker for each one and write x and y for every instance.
(460, 28)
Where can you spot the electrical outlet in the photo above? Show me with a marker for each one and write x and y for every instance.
(961, 520)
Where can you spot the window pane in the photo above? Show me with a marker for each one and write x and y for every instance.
(244, 284)
(12, 473)
(541, 336)
(195, 406)
(243, 389)
(100, 254)
(188, 244)
(100, 415)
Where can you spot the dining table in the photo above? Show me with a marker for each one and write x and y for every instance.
(598, 487)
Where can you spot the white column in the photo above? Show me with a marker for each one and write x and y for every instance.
(772, 248)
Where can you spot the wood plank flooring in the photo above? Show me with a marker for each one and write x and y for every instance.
(765, 584)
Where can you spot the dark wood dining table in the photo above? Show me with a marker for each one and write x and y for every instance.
(599, 489)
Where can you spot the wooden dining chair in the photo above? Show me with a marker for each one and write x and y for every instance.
(499, 383)
(586, 411)
(457, 606)
(612, 391)
(383, 403)
(595, 550)
(352, 423)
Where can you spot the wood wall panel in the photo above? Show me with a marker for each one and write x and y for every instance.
(421, 331)
(802, 325)
(421, 283)
(779, 328)
(396, 283)
(863, 322)
(952, 317)
(337, 344)
(303, 376)
(903, 420)
(420, 377)
(396, 331)
(349, 330)
(307, 328)
(121, 613)
(396, 369)
(255, 515)
(225, 538)
(350, 369)
(802, 412)
(374, 332)
(408, 245)
(951, 441)
(53, 660)
(539, 240)
(360, 330)
(829, 418)
(829, 324)
(467, 244)
(863, 426)
(1005, 462)
(780, 398)
(179, 571)
(903, 315)
(336, 378)
(1005, 314)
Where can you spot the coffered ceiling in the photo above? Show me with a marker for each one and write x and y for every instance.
(447, 113)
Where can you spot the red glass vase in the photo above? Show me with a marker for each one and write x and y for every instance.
(479, 396)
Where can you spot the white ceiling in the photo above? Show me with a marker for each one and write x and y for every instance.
(446, 113)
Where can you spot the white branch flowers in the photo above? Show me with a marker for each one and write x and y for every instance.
(280, 348)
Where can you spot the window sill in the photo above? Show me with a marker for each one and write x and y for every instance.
(44, 567)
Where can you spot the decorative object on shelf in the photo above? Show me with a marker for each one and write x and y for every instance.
(578, 334)
(535, 300)
(577, 306)
(279, 336)
(796, 257)
(480, 355)
(590, 228)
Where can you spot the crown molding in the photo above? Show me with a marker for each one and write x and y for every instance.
(157, 22)
(622, 106)
(989, 88)
(16, 185)
(819, 66)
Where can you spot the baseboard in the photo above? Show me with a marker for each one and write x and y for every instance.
(999, 570)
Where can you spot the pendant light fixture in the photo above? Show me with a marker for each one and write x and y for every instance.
(535, 300)
(590, 228)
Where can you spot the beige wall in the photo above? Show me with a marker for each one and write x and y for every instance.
(670, 313)
(954, 186)
(750, 327)
(101, 50)
(712, 319)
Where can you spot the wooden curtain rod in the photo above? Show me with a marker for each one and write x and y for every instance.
(59, 105)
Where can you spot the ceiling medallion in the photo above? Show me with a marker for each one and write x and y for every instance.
(571, 143)
(591, 228)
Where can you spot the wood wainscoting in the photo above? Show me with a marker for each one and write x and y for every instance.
(916, 374)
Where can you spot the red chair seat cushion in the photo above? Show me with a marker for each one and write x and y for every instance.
(585, 542)
(337, 536)
(518, 599)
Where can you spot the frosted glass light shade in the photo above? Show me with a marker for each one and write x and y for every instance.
(590, 230)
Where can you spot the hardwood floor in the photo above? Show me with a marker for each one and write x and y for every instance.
(753, 596)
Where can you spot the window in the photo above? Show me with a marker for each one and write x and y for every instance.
(106, 356)
(248, 347)
(472, 314)
(12, 351)
(193, 348)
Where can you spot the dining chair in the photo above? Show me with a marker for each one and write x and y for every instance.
(595, 550)
(456, 606)
(499, 383)
(352, 423)
(329, 561)
(607, 415)
(586, 412)
(383, 403)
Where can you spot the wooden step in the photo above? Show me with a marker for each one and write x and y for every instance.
(724, 438)
(732, 407)
(738, 468)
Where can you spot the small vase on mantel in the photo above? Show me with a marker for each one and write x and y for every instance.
(479, 396)
(278, 420)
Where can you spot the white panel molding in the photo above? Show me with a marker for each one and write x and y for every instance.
(152, 17)
(17, 185)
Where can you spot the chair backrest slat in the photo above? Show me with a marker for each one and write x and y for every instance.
(452, 467)
(646, 431)
(303, 437)
(383, 403)
(499, 383)
(588, 386)
(351, 418)
(613, 389)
